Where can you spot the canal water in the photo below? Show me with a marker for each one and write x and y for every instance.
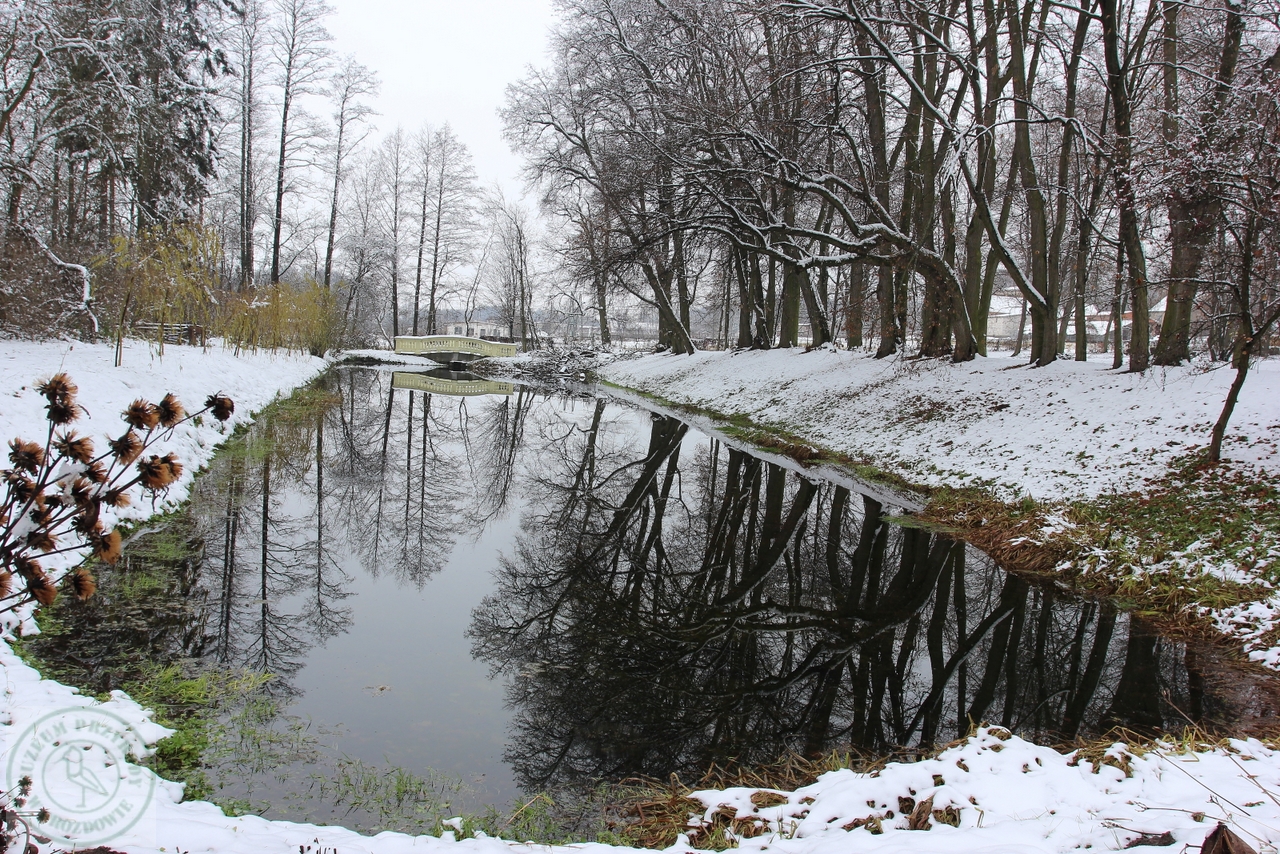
(486, 590)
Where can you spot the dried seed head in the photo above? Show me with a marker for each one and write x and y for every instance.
(42, 510)
(42, 589)
(86, 521)
(26, 567)
(81, 584)
(221, 406)
(58, 386)
(21, 487)
(63, 412)
(41, 540)
(141, 414)
(127, 447)
(170, 410)
(78, 448)
(96, 472)
(26, 456)
(116, 498)
(106, 547)
(60, 391)
(159, 472)
(82, 493)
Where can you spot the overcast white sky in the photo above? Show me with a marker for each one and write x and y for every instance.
(447, 61)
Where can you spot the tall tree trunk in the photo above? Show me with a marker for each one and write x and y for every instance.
(1248, 337)
(885, 307)
(789, 315)
(1195, 205)
(277, 225)
(1126, 193)
(746, 296)
(602, 312)
(247, 188)
(422, 243)
(333, 207)
(1117, 312)
(1044, 279)
(854, 308)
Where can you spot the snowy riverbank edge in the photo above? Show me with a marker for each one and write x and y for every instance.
(1008, 795)
(1072, 430)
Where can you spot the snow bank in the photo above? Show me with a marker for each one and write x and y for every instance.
(1006, 794)
(1072, 430)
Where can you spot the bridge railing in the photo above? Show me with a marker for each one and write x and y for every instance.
(421, 344)
(457, 388)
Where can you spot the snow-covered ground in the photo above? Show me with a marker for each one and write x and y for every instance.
(1004, 794)
(1072, 430)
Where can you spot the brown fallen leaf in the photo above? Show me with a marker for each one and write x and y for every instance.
(1222, 841)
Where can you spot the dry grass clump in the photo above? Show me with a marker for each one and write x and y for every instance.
(281, 317)
(167, 278)
(656, 812)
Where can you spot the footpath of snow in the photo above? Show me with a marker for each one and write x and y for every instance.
(1006, 794)
(1072, 430)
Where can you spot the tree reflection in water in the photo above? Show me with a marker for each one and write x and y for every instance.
(667, 602)
(687, 604)
(356, 475)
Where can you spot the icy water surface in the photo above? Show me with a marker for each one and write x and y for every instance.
(528, 591)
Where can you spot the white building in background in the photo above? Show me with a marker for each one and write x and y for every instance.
(1007, 315)
(483, 323)
(479, 330)
(1004, 319)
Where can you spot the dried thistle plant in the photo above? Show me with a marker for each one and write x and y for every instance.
(16, 816)
(54, 493)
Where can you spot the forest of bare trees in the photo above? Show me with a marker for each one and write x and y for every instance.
(134, 123)
(882, 170)
(900, 176)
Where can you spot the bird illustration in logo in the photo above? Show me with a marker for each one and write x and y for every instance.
(82, 776)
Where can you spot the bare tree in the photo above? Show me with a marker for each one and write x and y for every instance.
(393, 162)
(350, 84)
(447, 217)
(298, 42)
(249, 34)
(513, 283)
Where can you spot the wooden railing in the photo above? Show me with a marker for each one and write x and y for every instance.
(174, 333)
(478, 347)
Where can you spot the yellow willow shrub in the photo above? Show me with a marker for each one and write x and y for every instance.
(157, 280)
(280, 317)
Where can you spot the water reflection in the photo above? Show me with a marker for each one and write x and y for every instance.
(446, 381)
(650, 599)
(692, 604)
